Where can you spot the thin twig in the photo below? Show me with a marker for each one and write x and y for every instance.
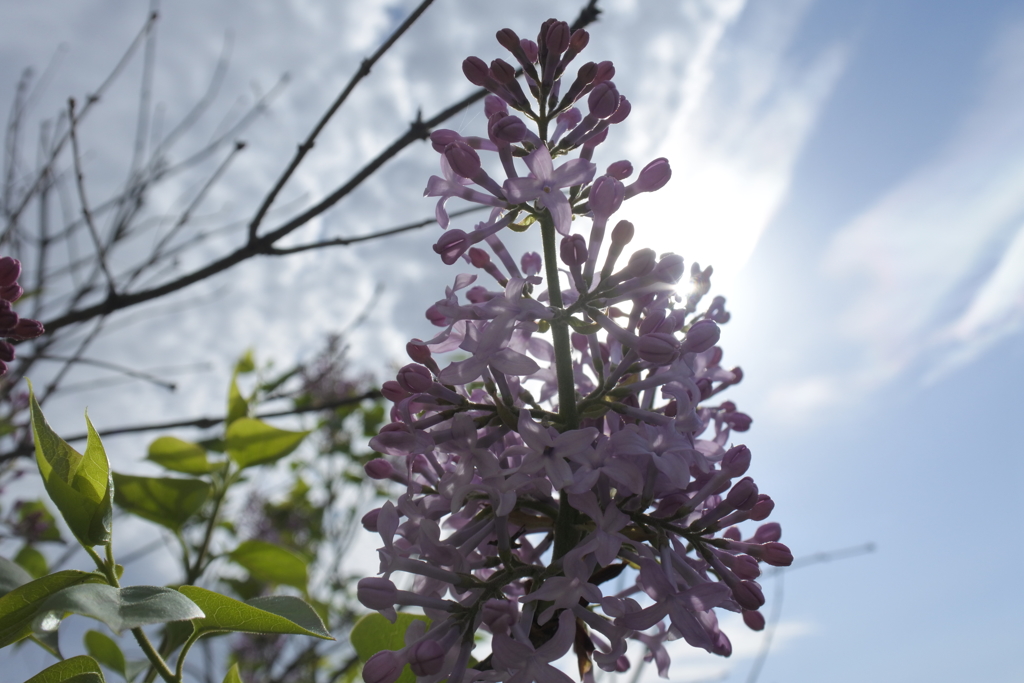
(137, 374)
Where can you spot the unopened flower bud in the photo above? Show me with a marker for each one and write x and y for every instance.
(776, 554)
(451, 245)
(502, 71)
(530, 49)
(736, 461)
(426, 657)
(573, 250)
(753, 619)
(383, 667)
(418, 352)
(462, 158)
(11, 292)
(378, 468)
(8, 318)
(603, 100)
(605, 72)
(415, 378)
(670, 269)
(620, 170)
(558, 38)
(606, 196)
(622, 233)
(763, 508)
(376, 592)
(393, 391)
(578, 41)
(6, 352)
(651, 322)
(653, 177)
(772, 531)
(743, 495)
(10, 271)
(494, 105)
(369, 520)
(701, 336)
(641, 263)
(622, 111)
(508, 39)
(658, 348)
(442, 137)
(748, 594)
(509, 129)
(739, 422)
(475, 70)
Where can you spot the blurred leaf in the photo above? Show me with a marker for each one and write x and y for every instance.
(118, 608)
(168, 502)
(80, 669)
(180, 456)
(35, 513)
(238, 405)
(104, 650)
(19, 607)
(245, 364)
(372, 419)
(373, 633)
(271, 563)
(232, 676)
(252, 442)
(32, 561)
(79, 485)
(12, 575)
(274, 614)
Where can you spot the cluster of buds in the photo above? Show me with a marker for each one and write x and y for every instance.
(569, 484)
(12, 326)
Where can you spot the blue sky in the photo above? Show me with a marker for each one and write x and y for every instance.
(854, 172)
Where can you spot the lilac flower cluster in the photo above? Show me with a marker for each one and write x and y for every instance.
(569, 483)
(11, 325)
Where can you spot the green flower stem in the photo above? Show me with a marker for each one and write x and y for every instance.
(566, 533)
(196, 570)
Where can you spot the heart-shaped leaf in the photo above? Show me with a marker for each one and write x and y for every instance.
(80, 669)
(79, 485)
(251, 442)
(118, 608)
(274, 614)
(179, 456)
(168, 502)
(19, 607)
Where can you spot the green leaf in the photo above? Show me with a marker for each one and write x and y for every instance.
(49, 642)
(104, 650)
(245, 364)
(238, 405)
(12, 575)
(80, 486)
(232, 676)
(169, 502)
(271, 563)
(18, 608)
(32, 561)
(274, 614)
(373, 633)
(180, 456)
(80, 669)
(252, 442)
(118, 608)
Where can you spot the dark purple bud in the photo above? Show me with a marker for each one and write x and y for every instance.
(418, 352)
(651, 322)
(415, 378)
(701, 336)
(603, 100)
(376, 592)
(658, 348)
(641, 263)
(736, 461)
(475, 70)
(605, 72)
(502, 71)
(745, 567)
(620, 170)
(442, 137)
(776, 554)
(743, 495)
(578, 40)
(452, 245)
(494, 105)
(508, 39)
(462, 158)
(772, 531)
(426, 657)
(369, 520)
(573, 250)
(10, 271)
(529, 49)
(738, 374)
(557, 38)
(570, 119)
(739, 422)
(753, 619)
(509, 129)
(11, 292)
(383, 667)
(622, 111)
(763, 508)
(436, 317)
(748, 594)
(654, 176)
(670, 269)
(622, 233)
(393, 391)
(378, 468)
(606, 195)
(704, 385)
(8, 318)
(6, 352)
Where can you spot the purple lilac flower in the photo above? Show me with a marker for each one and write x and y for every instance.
(575, 437)
(12, 327)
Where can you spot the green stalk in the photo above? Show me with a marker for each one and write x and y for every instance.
(566, 533)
